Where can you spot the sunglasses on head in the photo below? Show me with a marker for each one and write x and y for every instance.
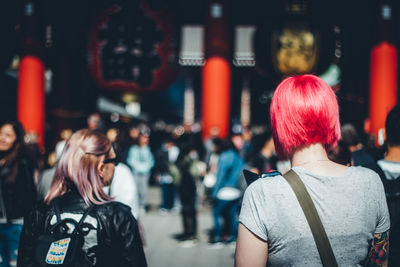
(114, 161)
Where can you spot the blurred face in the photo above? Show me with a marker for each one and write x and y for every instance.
(106, 168)
(237, 140)
(134, 133)
(247, 135)
(112, 134)
(7, 137)
(143, 140)
(66, 133)
(94, 122)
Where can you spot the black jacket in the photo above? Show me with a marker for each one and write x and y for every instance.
(118, 240)
(18, 197)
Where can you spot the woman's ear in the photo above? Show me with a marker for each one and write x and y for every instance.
(100, 169)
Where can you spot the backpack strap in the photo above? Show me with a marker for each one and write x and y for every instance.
(85, 214)
(321, 239)
(57, 209)
(78, 225)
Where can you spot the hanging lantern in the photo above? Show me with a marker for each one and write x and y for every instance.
(131, 48)
(293, 43)
(295, 49)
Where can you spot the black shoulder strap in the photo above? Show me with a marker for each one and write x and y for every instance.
(85, 214)
(57, 209)
(321, 239)
(80, 223)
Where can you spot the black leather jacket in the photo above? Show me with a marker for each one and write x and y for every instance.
(18, 197)
(118, 240)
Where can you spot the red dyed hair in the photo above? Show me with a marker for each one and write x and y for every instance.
(304, 111)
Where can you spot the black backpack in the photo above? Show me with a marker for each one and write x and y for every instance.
(62, 246)
(392, 190)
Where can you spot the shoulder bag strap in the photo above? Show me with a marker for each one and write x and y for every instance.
(57, 209)
(79, 224)
(317, 229)
(85, 214)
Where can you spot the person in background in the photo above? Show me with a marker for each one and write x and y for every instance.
(248, 147)
(94, 122)
(350, 201)
(390, 166)
(341, 154)
(209, 145)
(17, 189)
(167, 173)
(123, 187)
(46, 177)
(225, 193)
(359, 154)
(237, 139)
(141, 161)
(188, 165)
(84, 168)
(35, 153)
(264, 158)
(64, 135)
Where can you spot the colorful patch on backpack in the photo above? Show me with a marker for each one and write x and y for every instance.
(58, 251)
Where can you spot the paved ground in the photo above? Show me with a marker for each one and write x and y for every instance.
(164, 251)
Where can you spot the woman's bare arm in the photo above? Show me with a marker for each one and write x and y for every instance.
(251, 251)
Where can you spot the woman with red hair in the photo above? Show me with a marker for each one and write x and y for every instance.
(349, 200)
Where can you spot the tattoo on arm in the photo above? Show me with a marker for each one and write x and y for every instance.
(379, 253)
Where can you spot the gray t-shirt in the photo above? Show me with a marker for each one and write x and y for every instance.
(352, 207)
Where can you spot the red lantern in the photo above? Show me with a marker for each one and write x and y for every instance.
(131, 49)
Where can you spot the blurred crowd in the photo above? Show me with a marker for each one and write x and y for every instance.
(189, 171)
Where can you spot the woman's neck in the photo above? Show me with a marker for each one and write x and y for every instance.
(315, 159)
(309, 155)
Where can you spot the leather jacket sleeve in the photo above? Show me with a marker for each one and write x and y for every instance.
(33, 225)
(127, 239)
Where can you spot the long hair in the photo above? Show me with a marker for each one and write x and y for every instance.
(11, 156)
(304, 111)
(77, 167)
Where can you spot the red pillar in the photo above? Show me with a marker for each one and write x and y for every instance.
(383, 74)
(216, 96)
(383, 85)
(30, 107)
(216, 88)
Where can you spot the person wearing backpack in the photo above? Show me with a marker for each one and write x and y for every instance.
(78, 224)
(390, 166)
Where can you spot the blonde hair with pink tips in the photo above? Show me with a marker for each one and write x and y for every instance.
(77, 167)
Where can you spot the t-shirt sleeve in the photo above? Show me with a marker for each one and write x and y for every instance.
(251, 212)
(383, 218)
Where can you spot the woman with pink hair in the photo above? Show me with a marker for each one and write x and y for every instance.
(349, 200)
(111, 235)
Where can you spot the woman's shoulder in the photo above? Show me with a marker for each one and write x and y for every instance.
(365, 174)
(367, 179)
(115, 215)
(267, 183)
(114, 209)
(38, 213)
